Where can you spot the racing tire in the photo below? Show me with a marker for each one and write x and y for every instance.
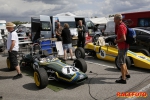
(128, 63)
(81, 64)
(144, 51)
(40, 78)
(9, 65)
(80, 53)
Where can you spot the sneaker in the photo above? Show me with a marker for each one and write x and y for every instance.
(17, 76)
(121, 81)
(127, 76)
(65, 59)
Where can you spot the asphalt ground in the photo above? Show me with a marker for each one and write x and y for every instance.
(100, 85)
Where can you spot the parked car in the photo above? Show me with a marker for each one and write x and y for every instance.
(142, 41)
(1, 43)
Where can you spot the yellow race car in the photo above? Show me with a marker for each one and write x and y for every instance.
(109, 53)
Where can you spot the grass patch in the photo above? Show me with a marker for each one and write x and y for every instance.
(53, 85)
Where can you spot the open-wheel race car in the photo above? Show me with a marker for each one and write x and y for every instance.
(49, 67)
(109, 53)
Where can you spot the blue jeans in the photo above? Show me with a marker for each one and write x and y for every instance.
(67, 46)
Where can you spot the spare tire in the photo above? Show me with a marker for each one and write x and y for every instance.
(128, 63)
(80, 53)
(144, 51)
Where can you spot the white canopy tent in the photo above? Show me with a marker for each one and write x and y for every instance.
(26, 25)
(101, 21)
(65, 14)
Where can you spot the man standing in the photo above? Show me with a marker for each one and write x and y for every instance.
(58, 31)
(12, 47)
(81, 34)
(121, 32)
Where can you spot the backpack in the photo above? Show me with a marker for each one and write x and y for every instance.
(130, 36)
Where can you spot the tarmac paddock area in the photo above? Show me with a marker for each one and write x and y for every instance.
(99, 86)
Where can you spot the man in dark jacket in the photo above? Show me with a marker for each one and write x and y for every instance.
(81, 34)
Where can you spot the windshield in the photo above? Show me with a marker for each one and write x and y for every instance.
(144, 22)
(71, 24)
(2, 24)
(45, 26)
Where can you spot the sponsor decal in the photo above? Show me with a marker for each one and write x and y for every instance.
(142, 57)
(139, 56)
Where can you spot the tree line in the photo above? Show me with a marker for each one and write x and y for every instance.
(19, 22)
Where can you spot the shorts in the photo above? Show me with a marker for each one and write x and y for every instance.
(67, 46)
(122, 56)
(13, 58)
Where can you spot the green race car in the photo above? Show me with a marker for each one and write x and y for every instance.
(47, 67)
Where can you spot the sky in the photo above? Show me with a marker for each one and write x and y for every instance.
(23, 10)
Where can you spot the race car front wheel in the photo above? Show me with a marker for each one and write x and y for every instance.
(128, 63)
(9, 65)
(41, 78)
(80, 53)
(81, 64)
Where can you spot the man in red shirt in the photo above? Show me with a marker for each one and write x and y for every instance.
(121, 32)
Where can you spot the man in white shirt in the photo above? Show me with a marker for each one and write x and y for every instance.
(13, 47)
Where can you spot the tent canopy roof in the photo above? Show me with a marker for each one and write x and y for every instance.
(102, 20)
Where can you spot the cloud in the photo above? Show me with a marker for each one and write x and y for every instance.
(25, 9)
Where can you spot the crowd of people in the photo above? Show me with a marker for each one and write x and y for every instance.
(64, 34)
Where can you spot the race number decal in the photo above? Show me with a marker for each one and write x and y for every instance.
(102, 53)
(69, 70)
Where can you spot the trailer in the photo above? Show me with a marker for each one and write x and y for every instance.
(137, 19)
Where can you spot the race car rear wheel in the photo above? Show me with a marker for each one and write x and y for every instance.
(41, 78)
(81, 64)
(9, 65)
(144, 51)
(128, 63)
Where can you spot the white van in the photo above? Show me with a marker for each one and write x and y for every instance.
(110, 28)
(3, 32)
(48, 24)
(45, 25)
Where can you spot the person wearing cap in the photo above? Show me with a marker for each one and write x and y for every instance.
(13, 47)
